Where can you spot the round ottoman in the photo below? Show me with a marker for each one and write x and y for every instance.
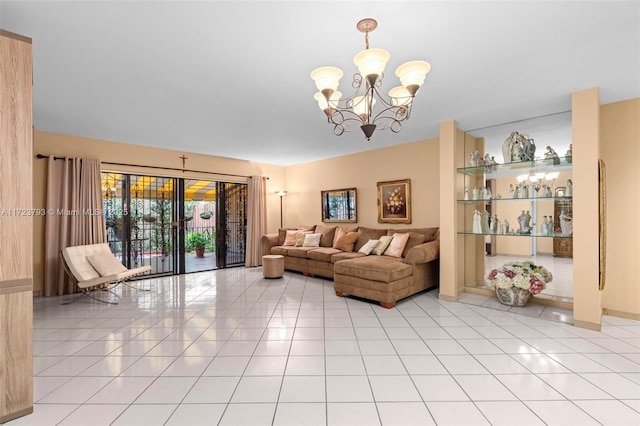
(273, 266)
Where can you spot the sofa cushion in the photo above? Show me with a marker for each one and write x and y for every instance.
(430, 234)
(397, 245)
(323, 254)
(345, 256)
(300, 236)
(290, 239)
(414, 240)
(385, 240)
(312, 240)
(328, 232)
(340, 231)
(282, 250)
(384, 268)
(282, 235)
(300, 252)
(368, 247)
(366, 234)
(346, 242)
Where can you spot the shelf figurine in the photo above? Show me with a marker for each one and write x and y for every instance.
(477, 226)
(506, 226)
(485, 222)
(544, 228)
(551, 156)
(568, 192)
(473, 159)
(566, 223)
(511, 191)
(466, 193)
(569, 154)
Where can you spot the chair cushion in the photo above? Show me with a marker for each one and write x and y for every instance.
(279, 250)
(301, 252)
(346, 255)
(106, 264)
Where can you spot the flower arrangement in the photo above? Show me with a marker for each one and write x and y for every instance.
(395, 201)
(523, 275)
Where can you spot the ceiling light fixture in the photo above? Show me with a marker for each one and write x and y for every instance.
(358, 108)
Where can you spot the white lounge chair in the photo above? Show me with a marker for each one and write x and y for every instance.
(92, 266)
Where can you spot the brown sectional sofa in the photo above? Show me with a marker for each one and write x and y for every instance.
(383, 278)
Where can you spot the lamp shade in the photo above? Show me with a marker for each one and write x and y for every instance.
(400, 96)
(361, 105)
(326, 77)
(413, 73)
(333, 100)
(371, 61)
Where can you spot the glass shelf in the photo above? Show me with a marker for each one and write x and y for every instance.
(518, 235)
(516, 199)
(515, 169)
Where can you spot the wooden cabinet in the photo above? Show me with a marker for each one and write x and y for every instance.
(16, 227)
(562, 247)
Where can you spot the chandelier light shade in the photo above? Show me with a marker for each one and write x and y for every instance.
(347, 114)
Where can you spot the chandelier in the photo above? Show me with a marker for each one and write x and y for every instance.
(346, 114)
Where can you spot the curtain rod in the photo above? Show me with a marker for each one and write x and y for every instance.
(41, 156)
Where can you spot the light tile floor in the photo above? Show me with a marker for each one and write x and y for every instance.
(229, 347)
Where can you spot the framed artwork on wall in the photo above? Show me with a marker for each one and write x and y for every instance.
(339, 205)
(394, 201)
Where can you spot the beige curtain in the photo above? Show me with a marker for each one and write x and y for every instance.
(257, 220)
(74, 215)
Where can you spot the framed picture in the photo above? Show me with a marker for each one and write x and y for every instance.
(560, 191)
(394, 201)
(339, 205)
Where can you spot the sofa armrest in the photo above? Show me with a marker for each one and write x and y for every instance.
(423, 253)
(269, 241)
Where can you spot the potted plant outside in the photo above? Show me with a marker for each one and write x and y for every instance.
(198, 241)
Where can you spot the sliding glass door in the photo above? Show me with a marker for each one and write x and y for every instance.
(175, 225)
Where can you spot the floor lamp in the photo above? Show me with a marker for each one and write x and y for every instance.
(281, 194)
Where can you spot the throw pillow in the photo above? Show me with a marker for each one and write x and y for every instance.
(396, 247)
(414, 240)
(341, 232)
(328, 232)
(346, 242)
(290, 238)
(300, 237)
(105, 264)
(368, 247)
(382, 245)
(312, 240)
(282, 235)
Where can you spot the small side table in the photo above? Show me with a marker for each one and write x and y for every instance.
(272, 266)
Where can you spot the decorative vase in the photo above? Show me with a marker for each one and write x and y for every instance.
(513, 296)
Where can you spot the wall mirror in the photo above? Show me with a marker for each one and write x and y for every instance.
(339, 205)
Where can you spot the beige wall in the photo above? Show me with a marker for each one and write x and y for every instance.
(417, 161)
(74, 146)
(620, 150)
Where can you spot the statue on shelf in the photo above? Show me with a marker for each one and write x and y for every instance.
(528, 150)
(501, 228)
(476, 193)
(566, 223)
(551, 156)
(485, 222)
(506, 147)
(523, 222)
(511, 191)
(477, 225)
(544, 228)
(569, 154)
(494, 225)
(487, 194)
(527, 221)
(546, 191)
(517, 192)
(466, 193)
(473, 159)
(568, 192)
(550, 226)
(506, 226)
(525, 191)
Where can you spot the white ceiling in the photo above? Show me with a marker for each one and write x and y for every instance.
(231, 78)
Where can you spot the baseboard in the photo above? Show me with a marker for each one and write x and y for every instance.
(621, 314)
(16, 414)
(587, 324)
(448, 298)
